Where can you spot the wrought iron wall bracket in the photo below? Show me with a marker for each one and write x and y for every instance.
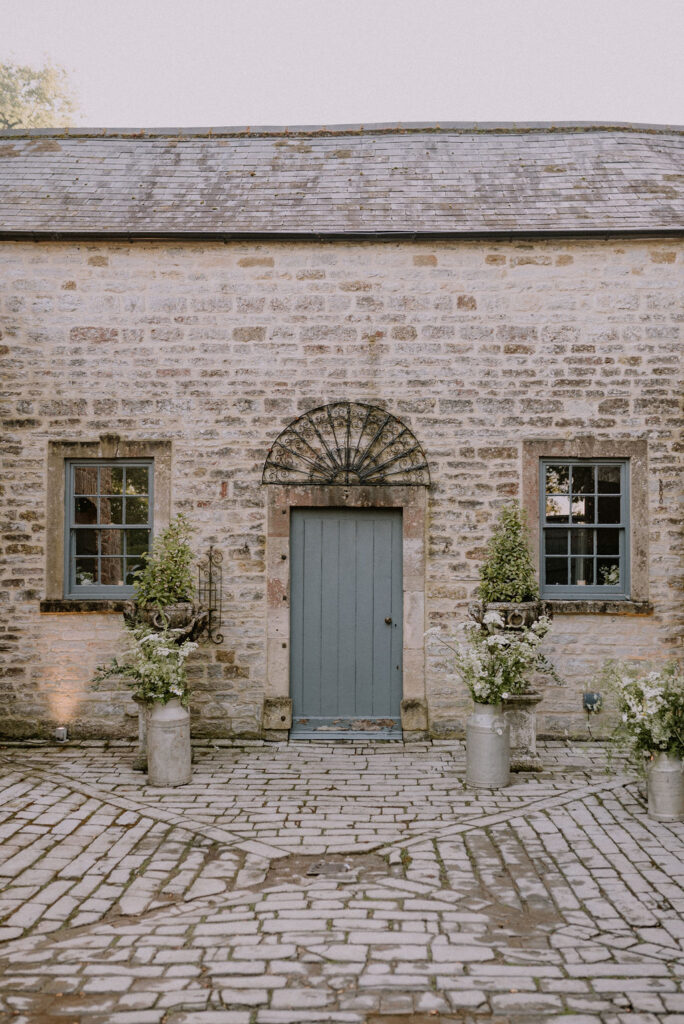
(210, 591)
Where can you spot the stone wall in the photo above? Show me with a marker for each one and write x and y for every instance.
(216, 347)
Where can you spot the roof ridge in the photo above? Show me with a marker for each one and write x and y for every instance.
(389, 128)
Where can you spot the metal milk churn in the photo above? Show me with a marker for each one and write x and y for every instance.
(168, 745)
(666, 788)
(488, 753)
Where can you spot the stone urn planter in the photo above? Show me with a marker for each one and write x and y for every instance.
(169, 753)
(171, 616)
(187, 619)
(487, 748)
(519, 710)
(515, 614)
(665, 787)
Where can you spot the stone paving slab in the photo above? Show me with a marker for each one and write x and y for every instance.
(555, 899)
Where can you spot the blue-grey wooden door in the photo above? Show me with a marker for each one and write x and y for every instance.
(346, 622)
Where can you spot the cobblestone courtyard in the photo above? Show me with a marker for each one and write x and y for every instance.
(315, 882)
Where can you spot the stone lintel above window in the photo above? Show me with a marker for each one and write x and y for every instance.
(635, 451)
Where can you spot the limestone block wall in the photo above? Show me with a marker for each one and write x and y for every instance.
(216, 347)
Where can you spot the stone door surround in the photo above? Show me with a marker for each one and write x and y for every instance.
(277, 717)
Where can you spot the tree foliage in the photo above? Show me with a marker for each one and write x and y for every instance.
(35, 97)
(166, 576)
(507, 574)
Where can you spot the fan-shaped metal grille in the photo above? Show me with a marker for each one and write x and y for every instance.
(346, 443)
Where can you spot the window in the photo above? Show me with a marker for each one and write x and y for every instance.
(108, 520)
(584, 519)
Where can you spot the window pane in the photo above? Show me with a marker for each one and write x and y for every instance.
(583, 480)
(111, 542)
(136, 510)
(608, 572)
(609, 510)
(111, 572)
(137, 541)
(85, 480)
(583, 510)
(111, 480)
(582, 571)
(132, 564)
(557, 509)
(86, 542)
(557, 479)
(609, 479)
(85, 510)
(86, 572)
(136, 480)
(557, 542)
(557, 572)
(111, 510)
(582, 542)
(608, 542)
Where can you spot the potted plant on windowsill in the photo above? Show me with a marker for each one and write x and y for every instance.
(651, 726)
(155, 670)
(164, 587)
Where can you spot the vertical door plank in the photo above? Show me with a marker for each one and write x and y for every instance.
(346, 682)
(364, 617)
(297, 612)
(313, 582)
(330, 587)
(382, 609)
(397, 649)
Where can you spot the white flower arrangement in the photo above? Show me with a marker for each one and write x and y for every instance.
(155, 667)
(651, 707)
(495, 662)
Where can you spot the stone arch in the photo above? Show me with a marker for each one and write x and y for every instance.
(347, 443)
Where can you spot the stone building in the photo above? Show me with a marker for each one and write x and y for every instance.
(339, 351)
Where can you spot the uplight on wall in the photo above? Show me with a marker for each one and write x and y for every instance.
(61, 734)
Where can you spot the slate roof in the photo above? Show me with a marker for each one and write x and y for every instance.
(452, 179)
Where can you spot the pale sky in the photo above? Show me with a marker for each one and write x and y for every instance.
(157, 63)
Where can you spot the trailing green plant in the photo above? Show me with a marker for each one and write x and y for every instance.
(650, 708)
(165, 577)
(495, 662)
(507, 574)
(154, 667)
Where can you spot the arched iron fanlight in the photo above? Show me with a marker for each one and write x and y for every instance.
(347, 443)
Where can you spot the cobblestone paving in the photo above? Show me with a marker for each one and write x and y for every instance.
(317, 882)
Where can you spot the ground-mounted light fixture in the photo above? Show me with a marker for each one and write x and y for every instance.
(61, 734)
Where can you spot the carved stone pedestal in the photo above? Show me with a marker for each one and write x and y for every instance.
(520, 713)
(140, 762)
(187, 620)
(515, 615)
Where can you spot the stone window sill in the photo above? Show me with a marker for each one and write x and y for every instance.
(69, 606)
(599, 607)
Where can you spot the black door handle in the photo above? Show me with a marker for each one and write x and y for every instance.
(388, 620)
